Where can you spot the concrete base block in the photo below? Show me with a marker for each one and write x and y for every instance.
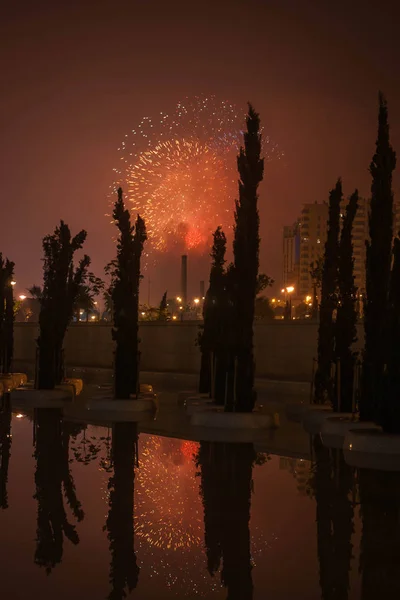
(109, 404)
(313, 418)
(231, 420)
(30, 398)
(372, 449)
(335, 428)
(296, 411)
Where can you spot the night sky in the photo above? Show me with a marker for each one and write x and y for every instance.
(76, 76)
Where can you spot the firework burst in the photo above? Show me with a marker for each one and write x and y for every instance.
(179, 172)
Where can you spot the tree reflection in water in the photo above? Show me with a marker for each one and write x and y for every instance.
(5, 448)
(331, 484)
(226, 486)
(124, 571)
(52, 477)
(380, 541)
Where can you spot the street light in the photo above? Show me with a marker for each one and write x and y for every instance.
(196, 300)
(290, 289)
(13, 283)
(22, 296)
(179, 299)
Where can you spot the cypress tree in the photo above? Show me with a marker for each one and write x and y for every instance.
(326, 329)
(331, 485)
(61, 284)
(6, 315)
(378, 263)
(246, 259)
(125, 298)
(226, 485)
(346, 319)
(124, 571)
(212, 332)
(53, 480)
(389, 413)
(163, 308)
(379, 499)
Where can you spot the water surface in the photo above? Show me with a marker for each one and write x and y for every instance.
(92, 512)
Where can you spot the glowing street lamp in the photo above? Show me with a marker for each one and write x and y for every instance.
(290, 289)
(179, 299)
(13, 283)
(196, 300)
(22, 296)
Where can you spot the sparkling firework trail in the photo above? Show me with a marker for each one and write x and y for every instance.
(179, 172)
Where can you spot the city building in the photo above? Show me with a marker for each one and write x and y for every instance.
(360, 234)
(313, 229)
(304, 244)
(291, 255)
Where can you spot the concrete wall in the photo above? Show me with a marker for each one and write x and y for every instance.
(283, 350)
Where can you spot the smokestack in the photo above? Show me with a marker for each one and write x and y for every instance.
(184, 279)
(202, 294)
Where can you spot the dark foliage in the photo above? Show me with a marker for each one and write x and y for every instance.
(61, 284)
(124, 571)
(316, 269)
(87, 293)
(380, 538)
(378, 264)
(389, 410)
(331, 485)
(226, 486)
(214, 334)
(6, 314)
(246, 259)
(346, 319)
(124, 290)
(52, 476)
(163, 308)
(329, 282)
(263, 309)
(287, 314)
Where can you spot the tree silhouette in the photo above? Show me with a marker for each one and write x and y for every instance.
(378, 263)
(60, 288)
(226, 486)
(5, 449)
(163, 308)
(125, 273)
(326, 329)
(52, 475)
(390, 408)
(380, 540)
(331, 484)
(316, 268)
(346, 319)
(124, 572)
(6, 314)
(214, 335)
(246, 246)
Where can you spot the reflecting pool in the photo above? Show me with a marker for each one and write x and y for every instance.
(93, 512)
